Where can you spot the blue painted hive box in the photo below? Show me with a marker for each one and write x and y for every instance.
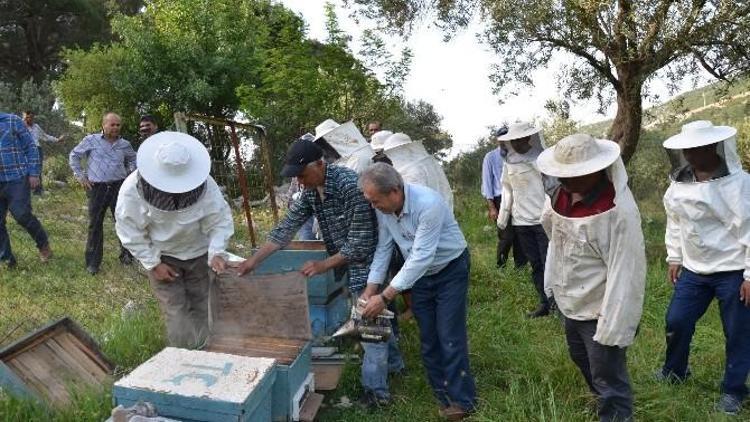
(194, 385)
(266, 316)
(327, 318)
(321, 288)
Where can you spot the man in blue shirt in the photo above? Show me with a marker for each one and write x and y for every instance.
(492, 190)
(109, 160)
(19, 173)
(436, 268)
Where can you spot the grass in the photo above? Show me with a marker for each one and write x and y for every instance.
(521, 366)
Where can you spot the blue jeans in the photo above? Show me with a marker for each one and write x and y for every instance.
(306, 231)
(379, 360)
(15, 196)
(439, 306)
(693, 294)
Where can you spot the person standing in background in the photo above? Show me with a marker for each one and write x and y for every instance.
(39, 135)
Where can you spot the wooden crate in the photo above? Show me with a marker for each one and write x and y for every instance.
(265, 316)
(195, 385)
(51, 363)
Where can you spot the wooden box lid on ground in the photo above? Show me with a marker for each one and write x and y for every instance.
(52, 362)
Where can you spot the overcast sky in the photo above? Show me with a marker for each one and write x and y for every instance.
(453, 77)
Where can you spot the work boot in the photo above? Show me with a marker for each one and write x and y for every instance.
(540, 311)
(45, 253)
(453, 413)
(92, 269)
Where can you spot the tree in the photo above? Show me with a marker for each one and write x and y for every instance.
(618, 46)
(33, 33)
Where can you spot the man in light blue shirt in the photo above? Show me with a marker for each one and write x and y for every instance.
(492, 190)
(417, 220)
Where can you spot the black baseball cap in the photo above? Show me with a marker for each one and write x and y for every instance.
(300, 154)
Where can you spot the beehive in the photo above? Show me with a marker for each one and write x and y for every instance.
(194, 385)
(265, 316)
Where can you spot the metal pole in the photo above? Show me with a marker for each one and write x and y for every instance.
(243, 184)
(269, 174)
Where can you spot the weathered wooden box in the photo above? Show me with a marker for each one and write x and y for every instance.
(53, 362)
(266, 316)
(327, 318)
(320, 288)
(195, 385)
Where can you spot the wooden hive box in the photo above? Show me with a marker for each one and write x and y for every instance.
(266, 316)
(320, 288)
(195, 385)
(53, 362)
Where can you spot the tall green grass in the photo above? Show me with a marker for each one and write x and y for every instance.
(522, 368)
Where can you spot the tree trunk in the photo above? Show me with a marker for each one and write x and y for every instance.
(626, 128)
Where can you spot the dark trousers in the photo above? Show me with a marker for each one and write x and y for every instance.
(102, 197)
(184, 301)
(15, 196)
(506, 240)
(439, 306)
(534, 243)
(38, 190)
(692, 295)
(604, 368)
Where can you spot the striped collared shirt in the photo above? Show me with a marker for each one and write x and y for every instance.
(346, 220)
(105, 161)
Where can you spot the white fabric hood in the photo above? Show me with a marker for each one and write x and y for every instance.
(417, 166)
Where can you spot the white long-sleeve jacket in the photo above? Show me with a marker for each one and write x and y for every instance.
(708, 223)
(419, 167)
(596, 265)
(148, 233)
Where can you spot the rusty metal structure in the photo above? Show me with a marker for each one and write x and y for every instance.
(181, 120)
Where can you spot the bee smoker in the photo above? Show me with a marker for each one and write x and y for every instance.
(372, 330)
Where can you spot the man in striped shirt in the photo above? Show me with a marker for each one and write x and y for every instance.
(109, 160)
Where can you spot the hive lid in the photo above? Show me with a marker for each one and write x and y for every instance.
(266, 306)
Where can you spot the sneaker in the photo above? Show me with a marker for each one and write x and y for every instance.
(93, 270)
(45, 253)
(371, 400)
(540, 311)
(126, 259)
(729, 404)
(671, 377)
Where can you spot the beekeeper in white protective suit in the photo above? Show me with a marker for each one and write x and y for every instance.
(708, 251)
(344, 145)
(377, 142)
(522, 201)
(173, 218)
(417, 166)
(596, 263)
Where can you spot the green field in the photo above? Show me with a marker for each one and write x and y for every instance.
(521, 366)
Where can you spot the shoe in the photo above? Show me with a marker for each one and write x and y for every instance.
(540, 311)
(45, 253)
(729, 404)
(126, 259)
(93, 270)
(371, 400)
(671, 377)
(453, 413)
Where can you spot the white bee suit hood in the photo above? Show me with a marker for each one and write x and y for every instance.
(524, 186)
(596, 265)
(708, 223)
(353, 150)
(417, 166)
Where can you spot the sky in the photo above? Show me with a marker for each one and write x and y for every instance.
(453, 77)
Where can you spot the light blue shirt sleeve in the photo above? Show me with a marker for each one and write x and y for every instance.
(426, 240)
(383, 253)
(487, 178)
(80, 151)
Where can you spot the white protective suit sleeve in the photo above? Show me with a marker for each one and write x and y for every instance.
(132, 229)
(217, 224)
(506, 202)
(622, 304)
(672, 238)
(547, 226)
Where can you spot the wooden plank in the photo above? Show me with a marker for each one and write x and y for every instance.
(273, 305)
(30, 341)
(38, 371)
(34, 385)
(69, 359)
(89, 346)
(327, 376)
(306, 245)
(87, 359)
(310, 408)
